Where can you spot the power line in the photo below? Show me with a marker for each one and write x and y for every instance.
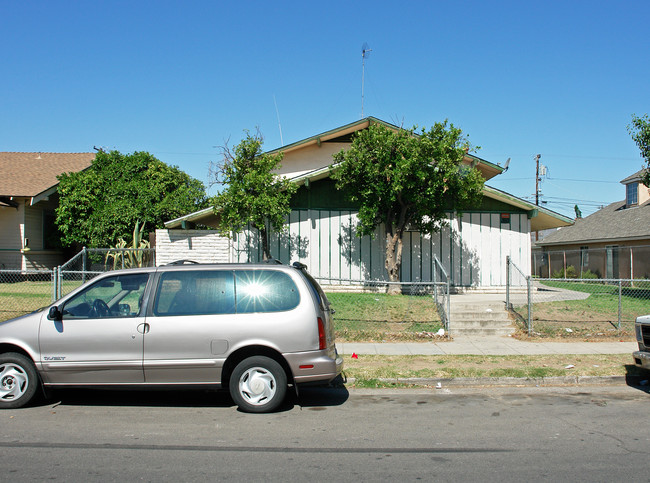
(564, 179)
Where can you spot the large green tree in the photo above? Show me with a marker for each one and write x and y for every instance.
(99, 205)
(639, 129)
(405, 177)
(253, 193)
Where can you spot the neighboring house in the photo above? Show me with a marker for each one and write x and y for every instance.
(322, 234)
(28, 198)
(613, 242)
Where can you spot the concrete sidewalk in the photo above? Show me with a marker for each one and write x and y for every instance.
(485, 345)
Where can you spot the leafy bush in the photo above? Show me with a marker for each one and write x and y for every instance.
(571, 272)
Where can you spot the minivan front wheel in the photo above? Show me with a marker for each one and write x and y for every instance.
(258, 384)
(18, 380)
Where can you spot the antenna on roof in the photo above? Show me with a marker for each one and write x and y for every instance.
(277, 113)
(365, 52)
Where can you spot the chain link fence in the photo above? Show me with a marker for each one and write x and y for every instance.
(411, 311)
(568, 307)
(90, 262)
(367, 312)
(612, 262)
(24, 291)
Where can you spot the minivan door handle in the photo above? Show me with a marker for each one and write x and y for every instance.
(143, 328)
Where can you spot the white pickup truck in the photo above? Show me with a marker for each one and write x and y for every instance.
(642, 329)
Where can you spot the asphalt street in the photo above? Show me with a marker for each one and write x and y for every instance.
(487, 434)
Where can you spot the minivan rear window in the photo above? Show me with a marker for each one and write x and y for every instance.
(265, 291)
(202, 292)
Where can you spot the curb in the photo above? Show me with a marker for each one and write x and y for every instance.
(632, 380)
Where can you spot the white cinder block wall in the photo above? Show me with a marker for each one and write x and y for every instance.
(203, 246)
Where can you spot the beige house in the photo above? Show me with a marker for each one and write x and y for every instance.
(613, 242)
(28, 198)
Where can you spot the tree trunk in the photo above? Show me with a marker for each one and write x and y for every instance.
(393, 262)
(266, 252)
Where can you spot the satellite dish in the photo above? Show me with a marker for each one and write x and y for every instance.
(505, 167)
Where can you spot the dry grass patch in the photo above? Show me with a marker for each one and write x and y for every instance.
(370, 367)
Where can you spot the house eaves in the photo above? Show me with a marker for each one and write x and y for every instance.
(540, 218)
(333, 134)
(636, 177)
(206, 217)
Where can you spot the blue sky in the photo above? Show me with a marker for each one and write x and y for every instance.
(179, 79)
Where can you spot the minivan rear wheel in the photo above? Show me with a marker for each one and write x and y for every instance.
(18, 380)
(258, 384)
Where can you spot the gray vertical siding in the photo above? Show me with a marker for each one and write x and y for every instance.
(472, 248)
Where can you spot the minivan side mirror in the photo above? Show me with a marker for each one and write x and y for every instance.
(55, 313)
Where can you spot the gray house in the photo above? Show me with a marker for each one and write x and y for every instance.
(321, 227)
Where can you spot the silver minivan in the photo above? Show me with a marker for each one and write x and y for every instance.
(251, 328)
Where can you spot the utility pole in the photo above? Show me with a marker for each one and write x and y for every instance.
(537, 179)
(537, 188)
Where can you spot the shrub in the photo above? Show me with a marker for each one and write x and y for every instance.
(571, 272)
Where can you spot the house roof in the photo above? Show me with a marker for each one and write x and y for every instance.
(541, 218)
(30, 174)
(611, 224)
(634, 177)
(343, 134)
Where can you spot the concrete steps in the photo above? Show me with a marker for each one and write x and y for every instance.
(479, 317)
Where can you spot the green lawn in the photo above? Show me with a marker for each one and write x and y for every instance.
(24, 297)
(377, 316)
(596, 316)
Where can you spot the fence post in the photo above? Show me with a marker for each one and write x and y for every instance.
(83, 265)
(620, 297)
(529, 281)
(448, 305)
(507, 282)
(59, 281)
(435, 279)
(54, 280)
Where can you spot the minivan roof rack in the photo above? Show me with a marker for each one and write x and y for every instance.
(183, 262)
(299, 266)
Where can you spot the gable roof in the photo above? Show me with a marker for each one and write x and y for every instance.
(541, 218)
(613, 223)
(30, 174)
(636, 177)
(343, 134)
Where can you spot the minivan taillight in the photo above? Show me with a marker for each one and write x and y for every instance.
(322, 340)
